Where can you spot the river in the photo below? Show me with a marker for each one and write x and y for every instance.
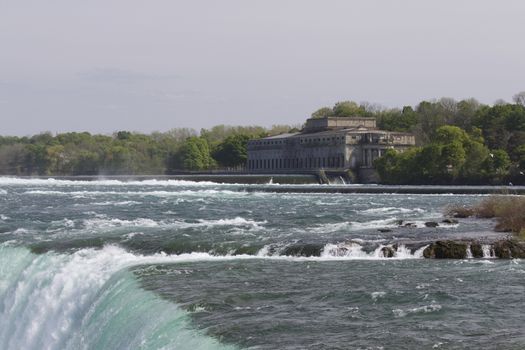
(169, 264)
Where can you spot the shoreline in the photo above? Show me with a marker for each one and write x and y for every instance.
(294, 183)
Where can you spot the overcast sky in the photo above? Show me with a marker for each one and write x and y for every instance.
(106, 65)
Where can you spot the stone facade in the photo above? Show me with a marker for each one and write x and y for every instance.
(335, 144)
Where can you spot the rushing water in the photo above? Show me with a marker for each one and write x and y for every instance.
(181, 265)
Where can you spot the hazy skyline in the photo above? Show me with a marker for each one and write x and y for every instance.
(102, 66)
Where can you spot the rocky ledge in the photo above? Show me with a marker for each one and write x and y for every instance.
(451, 249)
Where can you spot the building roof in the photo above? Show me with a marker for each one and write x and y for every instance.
(358, 130)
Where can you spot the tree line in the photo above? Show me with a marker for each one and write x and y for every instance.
(458, 142)
(130, 153)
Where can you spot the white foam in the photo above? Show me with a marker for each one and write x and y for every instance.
(20, 231)
(422, 309)
(161, 194)
(117, 203)
(469, 252)
(355, 226)
(3, 192)
(98, 223)
(355, 251)
(392, 210)
(373, 224)
(377, 295)
(488, 252)
(237, 221)
(133, 234)
(104, 182)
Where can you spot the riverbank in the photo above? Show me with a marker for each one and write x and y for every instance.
(293, 183)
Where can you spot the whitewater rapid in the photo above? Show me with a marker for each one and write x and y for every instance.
(171, 264)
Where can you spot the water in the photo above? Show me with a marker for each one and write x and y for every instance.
(181, 265)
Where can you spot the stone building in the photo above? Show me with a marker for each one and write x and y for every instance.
(332, 143)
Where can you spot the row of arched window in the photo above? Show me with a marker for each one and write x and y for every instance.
(296, 163)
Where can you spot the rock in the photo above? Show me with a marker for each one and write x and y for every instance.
(384, 230)
(410, 225)
(450, 221)
(306, 250)
(399, 222)
(509, 249)
(446, 250)
(431, 224)
(387, 252)
(476, 249)
(462, 212)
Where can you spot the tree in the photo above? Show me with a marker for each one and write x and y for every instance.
(519, 154)
(348, 109)
(12, 159)
(232, 151)
(323, 112)
(519, 98)
(56, 159)
(86, 163)
(196, 154)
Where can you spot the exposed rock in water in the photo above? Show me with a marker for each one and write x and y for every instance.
(476, 249)
(462, 212)
(410, 225)
(384, 230)
(503, 249)
(431, 224)
(446, 250)
(306, 250)
(450, 221)
(508, 249)
(387, 252)
(399, 222)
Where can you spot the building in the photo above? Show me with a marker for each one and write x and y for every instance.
(332, 143)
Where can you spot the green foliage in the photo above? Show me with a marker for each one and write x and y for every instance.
(232, 151)
(196, 154)
(348, 109)
(503, 126)
(396, 120)
(129, 153)
(453, 157)
(323, 112)
(458, 142)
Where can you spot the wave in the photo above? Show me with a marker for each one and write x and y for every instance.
(117, 203)
(390, 222)
(392, 210)
(84, 194)
(105, 182)
(417, 310)
(98, 223)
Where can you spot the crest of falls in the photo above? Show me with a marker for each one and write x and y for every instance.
(87, 300)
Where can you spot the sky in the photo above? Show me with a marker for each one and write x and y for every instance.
(108, 65)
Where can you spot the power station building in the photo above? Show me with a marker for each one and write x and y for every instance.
(330, 143)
